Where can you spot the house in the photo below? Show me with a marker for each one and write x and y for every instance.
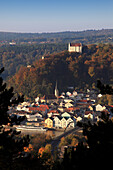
(49, 122)
(37, 99)
(68, 93)
(79, 119)
(67, 105)
(91, 108)
(32, 118)
(57, 122)
(38, 115)
(68, 122)
(60, 122)
(53, 113)
(74, 93)
(71, 122)
(65, 114)
(49, 98)
(41, 108)
(62, 104)
(89, 115)
(61, 109)
(33, 123)
(75, 47)
(64, 122)
(99, 95)
(70, 109)
(100, 108)
(83, 103)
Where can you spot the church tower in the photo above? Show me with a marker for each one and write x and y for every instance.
(56, 91)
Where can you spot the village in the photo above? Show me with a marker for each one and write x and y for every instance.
(60, 112)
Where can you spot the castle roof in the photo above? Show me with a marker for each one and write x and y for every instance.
(76, 44)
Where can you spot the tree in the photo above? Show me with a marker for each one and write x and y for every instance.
(11, 144)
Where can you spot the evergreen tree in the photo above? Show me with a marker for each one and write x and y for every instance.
(11, 145)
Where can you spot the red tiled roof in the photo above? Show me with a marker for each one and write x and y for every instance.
(71, 108)
(44, 106)
(40, 108)
(83, 100)
(75, 44)
(53, 111)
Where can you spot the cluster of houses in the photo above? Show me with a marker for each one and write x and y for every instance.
(60, 121)
(64, 111)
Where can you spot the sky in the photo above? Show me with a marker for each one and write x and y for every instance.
(55, 15)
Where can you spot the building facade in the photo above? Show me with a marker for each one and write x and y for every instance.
(75, 47)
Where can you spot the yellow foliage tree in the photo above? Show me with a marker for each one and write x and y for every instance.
(41, 150)
(91, 71)
(29, 148)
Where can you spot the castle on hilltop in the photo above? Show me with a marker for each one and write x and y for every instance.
(75, 47)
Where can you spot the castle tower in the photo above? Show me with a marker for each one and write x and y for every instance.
(56, 91)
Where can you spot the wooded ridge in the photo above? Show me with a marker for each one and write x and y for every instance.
(69, 69)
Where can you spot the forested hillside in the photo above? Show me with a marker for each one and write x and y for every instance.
(69, 69)
(13, 57)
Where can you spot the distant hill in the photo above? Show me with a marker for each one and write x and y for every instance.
(87, 37)
(69, 69)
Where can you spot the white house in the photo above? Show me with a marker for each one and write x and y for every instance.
(75, 47)
(75, 93)
(68, 93)
(71, 122)
(100, 108)
(68, 122)
(79, 118)
(68, 100)
(37, 99)
(32, 118)
(99, 95)
(89, 116)
(64, 122)
(57, 122)
(65, 114)
(67, 105)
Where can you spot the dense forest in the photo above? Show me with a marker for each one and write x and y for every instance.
(69, 69)
(13, 57)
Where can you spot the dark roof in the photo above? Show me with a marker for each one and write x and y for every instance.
(76, 44)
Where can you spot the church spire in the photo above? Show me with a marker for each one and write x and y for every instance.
(56, 90)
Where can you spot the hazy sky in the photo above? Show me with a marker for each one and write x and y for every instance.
(55, 15)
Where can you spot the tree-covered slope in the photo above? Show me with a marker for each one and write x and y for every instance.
(13, 57)
(69, 69)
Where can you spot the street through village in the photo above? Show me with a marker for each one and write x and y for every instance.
(56, 140)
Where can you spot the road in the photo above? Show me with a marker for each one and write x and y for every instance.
(55, 142)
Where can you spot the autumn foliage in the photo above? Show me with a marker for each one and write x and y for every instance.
(28, 149)
(69, 69)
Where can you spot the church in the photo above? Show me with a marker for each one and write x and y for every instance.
(51, 97)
